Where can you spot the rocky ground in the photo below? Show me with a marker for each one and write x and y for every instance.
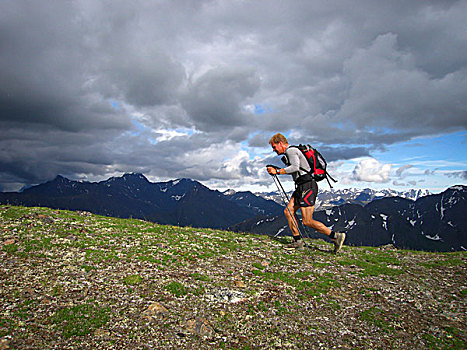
(79, 281)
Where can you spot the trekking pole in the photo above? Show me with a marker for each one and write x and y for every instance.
(285, 196)
(286, 201)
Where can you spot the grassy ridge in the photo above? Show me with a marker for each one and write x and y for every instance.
(80, 281)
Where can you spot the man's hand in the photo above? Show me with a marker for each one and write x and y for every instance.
(272, 170)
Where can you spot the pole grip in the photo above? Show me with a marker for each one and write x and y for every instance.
(273, 166)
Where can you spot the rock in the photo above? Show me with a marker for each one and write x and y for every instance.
(101, 332)
(226, 295)
(199, 326)
(240, 284)
(46, 301)
(155, 310)
(387, 247)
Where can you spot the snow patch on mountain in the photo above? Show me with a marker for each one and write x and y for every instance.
(332, 197)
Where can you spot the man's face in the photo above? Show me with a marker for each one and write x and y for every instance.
(279, 148)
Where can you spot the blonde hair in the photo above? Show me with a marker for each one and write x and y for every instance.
(277, 138)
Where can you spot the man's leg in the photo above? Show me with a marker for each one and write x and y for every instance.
(289, 212)
(337, 237)
(307, 215)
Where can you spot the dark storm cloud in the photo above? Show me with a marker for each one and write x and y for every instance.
(388, 91)
(45, 68)
(145, 80)
(214, 100)
(93, 89)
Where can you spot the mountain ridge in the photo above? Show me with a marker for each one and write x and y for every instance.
(181, 201)
(432, 223)
(186, 202)
(333, 197)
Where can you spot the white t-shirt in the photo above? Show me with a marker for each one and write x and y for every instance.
(295, 161)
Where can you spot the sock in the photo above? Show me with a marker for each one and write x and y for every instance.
(297, 238)
(332, 235)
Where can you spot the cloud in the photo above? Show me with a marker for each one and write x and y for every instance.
(390, 95)
(94, 89)
(402, 169)
(458, 174)
(213, 100)
(430, 171)
(142, 80)
(370, 170)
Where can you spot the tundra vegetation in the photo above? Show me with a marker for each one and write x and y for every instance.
(73, 280)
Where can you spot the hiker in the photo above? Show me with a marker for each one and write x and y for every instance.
(304, 196)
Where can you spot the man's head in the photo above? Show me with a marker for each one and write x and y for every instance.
(279, 143)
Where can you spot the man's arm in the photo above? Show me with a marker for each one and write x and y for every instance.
(294, 160)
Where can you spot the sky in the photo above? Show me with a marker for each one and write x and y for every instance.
(195, 89)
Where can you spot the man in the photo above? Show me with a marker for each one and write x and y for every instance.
(304, 196)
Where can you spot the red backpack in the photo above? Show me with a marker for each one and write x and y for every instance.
(317, 163)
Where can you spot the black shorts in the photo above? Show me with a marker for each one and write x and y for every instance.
(305, 193)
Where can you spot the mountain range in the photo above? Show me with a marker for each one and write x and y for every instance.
(182, 202)
(432, 223)
(334, 197)
(414, 219)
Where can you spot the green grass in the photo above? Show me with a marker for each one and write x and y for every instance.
(133, 280)
(373, 262)
(80, 320)
(259, 266)
(179, 289)
(376, 317)
(201, 277)
(10, 248)
(176, 288)
(449, 338)
(5, 325)
(449, 261)
(306, 282)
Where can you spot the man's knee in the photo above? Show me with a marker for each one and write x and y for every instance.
(309, 222)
